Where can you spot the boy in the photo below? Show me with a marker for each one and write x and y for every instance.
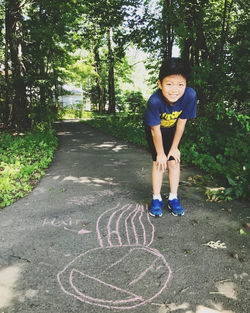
(165, 118)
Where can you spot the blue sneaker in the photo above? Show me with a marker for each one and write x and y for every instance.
(156, 208)
(175, 207)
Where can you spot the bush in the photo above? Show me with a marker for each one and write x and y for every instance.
(134, 101)
(23, 160)
(125, 126)
(220, 147)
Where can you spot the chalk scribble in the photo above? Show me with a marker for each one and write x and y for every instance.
(130, 273)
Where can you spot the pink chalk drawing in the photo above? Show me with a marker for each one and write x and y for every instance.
(124, 272)
(66, 223)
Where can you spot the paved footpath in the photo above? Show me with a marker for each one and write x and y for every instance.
(82, 240)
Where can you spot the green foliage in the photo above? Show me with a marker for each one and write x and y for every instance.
(220, 147)
(130, 101)
(125, 126)
(134, 101)
(75, 111)
(24, 157)
(46, 35)
(217, 195)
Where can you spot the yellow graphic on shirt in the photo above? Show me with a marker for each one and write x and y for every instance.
(168, 120)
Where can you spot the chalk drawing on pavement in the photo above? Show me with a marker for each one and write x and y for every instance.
(67, 223)
(124, 272)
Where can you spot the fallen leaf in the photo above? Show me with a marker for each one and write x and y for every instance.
(242, 232)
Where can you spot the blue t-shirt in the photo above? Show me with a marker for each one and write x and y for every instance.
(160, 112)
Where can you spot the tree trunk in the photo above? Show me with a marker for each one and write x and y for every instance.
(56, 90)
(187, 50)
(195, 46)
(170, 40)
(7, 102)
(167, 31)
(100, 87)
(20, 114)
(41, 110)
(42, 92)
(201, 50)
(223, 27)
(189, 40)
(111, 82)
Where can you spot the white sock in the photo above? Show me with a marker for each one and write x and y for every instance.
(172, 196)
(157, 197)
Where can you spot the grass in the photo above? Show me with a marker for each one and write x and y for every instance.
(125, 126)
(23, 160)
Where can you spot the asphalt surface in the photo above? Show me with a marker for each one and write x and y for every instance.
(82, 240)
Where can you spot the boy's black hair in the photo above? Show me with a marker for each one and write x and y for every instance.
(174, 66)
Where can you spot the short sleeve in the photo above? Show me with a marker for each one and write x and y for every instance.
(189, 104)
(152, 114)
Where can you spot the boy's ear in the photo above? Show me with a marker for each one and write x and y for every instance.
(159, 84)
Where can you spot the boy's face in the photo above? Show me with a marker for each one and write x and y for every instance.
(173, 87)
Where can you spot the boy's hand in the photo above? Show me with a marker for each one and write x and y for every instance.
(175, 153)
(161, 162)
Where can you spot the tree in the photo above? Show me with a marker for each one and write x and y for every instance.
(168, 28)
(111, 80)
(40, 36)
(100, 86)
(4, 69)
(107, 21)
(14, 53)
(37, 41)
(49, 32)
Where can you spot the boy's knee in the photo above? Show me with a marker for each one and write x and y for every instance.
(172, 164)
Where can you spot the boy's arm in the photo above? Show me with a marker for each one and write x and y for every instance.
(161, 159)
(174, 151)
